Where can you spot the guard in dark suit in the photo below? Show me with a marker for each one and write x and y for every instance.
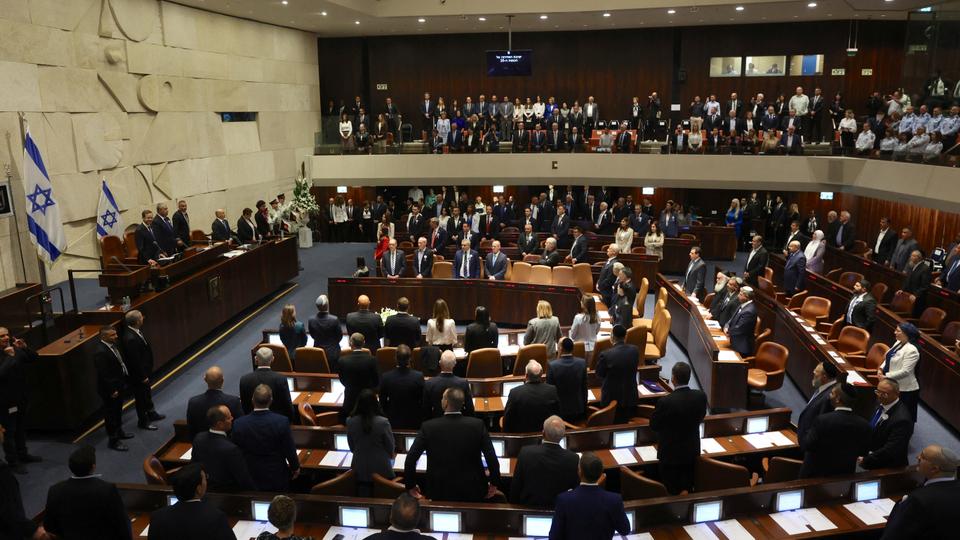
(14, 397)
(589, 511)
(199, 405)
(530, 403)
(676, 421)
(544, 470)
(569, 375)
(607, 279)
(358, 370)
(280, 397)
(221, 228)
(402, 328)
(181, 225)
(393, 262)
(221, 459)
(454, 443)
(696, 274)
(163, 230)
(617, 366)
(401, 393)
(434, 388)
(84, 506)
(794, 270)
(824, 378)
(929, 511)
(740, 328)
(267, 444)
(139, 357)
(191, 518)
(325, 330)
(892, 426)
(836, 439)
(367, 323)
(756, 261)
(148, 250)
(578, 251)
(862, 309)
(112, 375)
(14, 524)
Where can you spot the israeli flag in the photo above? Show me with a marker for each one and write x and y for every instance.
(109, 221)
(43, 216)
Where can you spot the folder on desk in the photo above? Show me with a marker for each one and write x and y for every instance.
(711, 446)
(623, 456)
(245, 529)
(333, 458)
(400, 460)
(868, 512)
(778, 438)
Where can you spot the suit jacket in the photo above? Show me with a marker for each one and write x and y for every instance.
(669, 225)
(86, 509)
(165, 235)
(768, 122)
(542, 472)
(181, 227)
(528, 244)
(358, 370)
(453, 443)
(278, 383)
(550, 259)
(370, 325)
(110, 376)
(147, 246)
(847, 236)
(473, 264)
(529, 405)
(198, 406)
(622, 311)
(738, 127)
(723, 307)
(267, 444)
(887, 244)
(695, 277)
(521, 140)
(477, 336)
(493, 222)
(393, 266)
(14, 524)
(439, 242)
(833, 443)
(795, 147)
(755, 266)
(495, 265)
(245, 233)
(415, 226)
(425, 267)
(741, 327)
(917, 280)
(617, 366)
(560, 226)
(455, 140)
(190, 520)
(927, 512)
(555, 141)
(433, 392)
(137, 354)
(578, 251)
(569, 375)
(325, 330)
(14, 388)
(223, 462)
(900, 257)
(588, 512)
(624, 141)
(676, 421)
(402, 328)
(891, 439)
(864, 313)
(221, 230)
(819, 404)
(401, 396)
(711, 122)
(605, 281)
(795, 272)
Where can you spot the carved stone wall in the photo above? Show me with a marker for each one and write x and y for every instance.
(129, 90)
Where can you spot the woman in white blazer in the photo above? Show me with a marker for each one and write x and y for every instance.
(900, 364)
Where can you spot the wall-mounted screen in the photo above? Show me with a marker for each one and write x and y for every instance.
(766, 66)
(726, 66)
(509, 63)
(806, 64)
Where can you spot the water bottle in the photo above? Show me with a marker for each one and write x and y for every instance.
(125, 303)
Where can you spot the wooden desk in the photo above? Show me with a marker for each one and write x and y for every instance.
(13, 308)
(716, 243)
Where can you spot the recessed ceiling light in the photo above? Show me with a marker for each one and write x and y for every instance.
(284, 2)
(324, 13)
(421, 20)
(543, 17)
(356, 22)
(671, 11)
(482, 19)
(739, 8)
(812, 5)
(606, 14)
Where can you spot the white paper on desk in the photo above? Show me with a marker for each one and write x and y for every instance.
(644, 391)
(460, 353)
(347, 461)
(791, 522)
(294, 396)
(733, 530)
(509, 350)
(504, 465)
(758, 440)
(647, 453)
(401, 459)
(348, 533)
(711, 446)
(721, 339)
(713, 324)
(591, 396)
(816, 519)
(333, 458)
(605, 325)
(329, 398)
(778, 438)
(727, 355)
(700, 531)
(854, 378)
(188, 455)
(456, 536)
(641, 536)
(146, 531)
(603, 314)
(623, 456)
(868, 513)
(886, 505)
(245, 530)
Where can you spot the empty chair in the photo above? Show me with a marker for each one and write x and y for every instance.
(198, 237)
(406, 245)
(951, 332)
(797, 299)
(712, 474)
(386, 359)
(859, 247)
(902, 303)
(641, 301)
(931, 320)
(484, 364)
(634, 485)
(763, 337)
(766, 287)
(387, 488)
(599, 417)
(281, 359)
(307, 416)
(768, 273)
(637, 336)
(639, 250)
(781, 469)
(531, 258)
(815, 309)
(534, 351)
(767, 367)
(852, 340)
(601, 345)
(583, 278)
(708, 300)
(868, 365)
(442, 269)
(832, 330)
(834, 275)
(659, 308)
(154, 472)
(847, 279)
(661, 330)
(879, 291)
(521, 272)
(311, 360)
(563, 275)
(541, 274)
(343, 485)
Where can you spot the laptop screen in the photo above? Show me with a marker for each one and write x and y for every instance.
(445, 522)
(707, 511)
(354, 516)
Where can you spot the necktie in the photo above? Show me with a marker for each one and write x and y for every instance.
(953, 268)
(393, 261)
(876, 417)
(726, 327)
(463, 269)
(123, 367)
(840, 235)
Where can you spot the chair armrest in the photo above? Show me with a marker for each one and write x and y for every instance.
(795, 310)
(645, 411)
(822, 318)
(750, 361)
(568, 425)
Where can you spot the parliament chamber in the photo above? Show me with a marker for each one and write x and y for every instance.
(330, 270)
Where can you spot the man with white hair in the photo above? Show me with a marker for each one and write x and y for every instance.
(607, 278)
(544, 470)
(139, 356)
(324, 328)
(529, 404)
(929, 511)
(495, 263)
(435, 387)
(281, 403)
(550, 255)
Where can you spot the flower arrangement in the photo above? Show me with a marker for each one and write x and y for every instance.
(386, 312)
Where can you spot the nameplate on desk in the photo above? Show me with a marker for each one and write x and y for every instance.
(234, 253)
(713, 324)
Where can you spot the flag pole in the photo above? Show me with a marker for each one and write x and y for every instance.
(40, 263)
(16, 220)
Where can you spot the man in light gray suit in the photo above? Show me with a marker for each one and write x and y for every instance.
(506, 118)
(591, 115)
(695, 275)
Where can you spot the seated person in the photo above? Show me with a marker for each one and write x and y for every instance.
(931, 153)
(282, 514)
(865, 140)
(550, 255)
(791, 143)
(889, 143)
(606, 141)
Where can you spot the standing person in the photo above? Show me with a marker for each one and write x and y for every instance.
(325, 330)
(836, 439)
(569, 374)
(756, 261)
(371, 441)
(740, 328)
(293, 334)
(824, 377)
(402, 328)
(900, 364)
(544, 470)
(85, 506)
(589, 511)
(734, 218)
(401, 392)
(14, 524)
(653, 241)
(198, 406)
(346, 134)
(814, 252)
(795, 269)
(617, 367)
(531, 403)
(14, 397)
(676, 421)
(112, 374)
(624, 236)
(367, 323)
(625, 296)
(441, 329)
(358, 371)
(404, 520)
(191, 518)
(221, 459)
(892, 428)
(139, 358)
(544, 328)
(280, 401)
(267, 444)
(181, 225)
(695, 278)
(586, 324)
(481, 333)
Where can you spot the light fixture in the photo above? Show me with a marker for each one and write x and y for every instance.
(356, 22)
(482, 19)
(284, 2)
(812, 5)
(671, 11)
(739, 8)
(606, 14)
(543, 17)
(421, 20)
(323, 13)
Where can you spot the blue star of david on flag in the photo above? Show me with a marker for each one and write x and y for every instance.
(40, 205)
(43, 220)
(109, 220)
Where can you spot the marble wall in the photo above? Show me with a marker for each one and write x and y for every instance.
(129, 90)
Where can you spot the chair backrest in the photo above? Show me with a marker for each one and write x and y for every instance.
(484, 364)
(521, 272)
(835, 328)
(534, 351)
(688, 236)
(579, 349)
(583, 278)
(307, 415)
(847, 279)
(797, 299)
(768, 273)
(859, 247)
(853, 340)
(386, 488)
(443, 269)
(634, 485)
(763, 336)
(876, 356)
(766, 287)
(541, 274)
(813, 307)
(601, 345)
(662, 295)
(343, 485)
(712, 474)
(771, 357)
(782, 469)
(311, 360)
(198, 236)
(661, 331)
(639, 250)
(154, 472)
(603, 417)
(879, 291)
(642, 293)
(902, 302)
(281, 359)
(563, 275)
(932, 319)
(637, 336)
(708, 300)
(406, 245)
(834, 275)
(951, 332)
(386, 359)
(130, 243)
(531, 258)
(111, 246)
(485, 244)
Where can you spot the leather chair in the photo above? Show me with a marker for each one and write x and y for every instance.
(311, 360)
(659, 308)
(814, 309)
(848, 279)
(879, 291)
(868, 365)
(634, 485)
(281, 359)
(343, 485)
(902, 303)
(766, 369)
(601, 345)
(531, 258)
(640, 305)
(541, 274)
(386, 359)
(859, 247)
(510, 230)
(110, 247)
(563, 276)
(199, 237)
(534, 351)
(950, 335)
(309, 417)
(852, 340)
(521, 272)
(640, 250)
(583, 278)
(712, 474)
(763, 337)
(405, 245)
(831, 330)
(768, 273)
(708, 300)
(485, 364)
(442, 269)
(688, 236)
(598, 418)
(766, 287)
(781, 469)
(797, 299)
(387, 488)
(637, 336)
(154, 472)
(661, 331)
(834, 275)
(485, 244)
(130, 243)
(930, 321)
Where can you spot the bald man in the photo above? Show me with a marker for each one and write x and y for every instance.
(198, 405)
(929, 511)
(795, 269)
(544, 470)
(435, 387)
(221, 227)
(530, 404)
(367, 323)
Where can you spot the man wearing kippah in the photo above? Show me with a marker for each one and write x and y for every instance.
(836, 439)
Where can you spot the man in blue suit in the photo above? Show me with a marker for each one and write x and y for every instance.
(267, 444)
(466, 263)
(589, 511)
(495, 263)
(668, 222)
(795, 269)
(393, 262)
(741, 325)
(163, 230)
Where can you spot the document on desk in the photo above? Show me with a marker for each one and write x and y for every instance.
(504, 465)
(591, 395)
(868, 512)
(778, 438)
(727, 355)
(188, 455)
(244, 529)
(509, 350)
(605, 325)
(816, 519)
(348, 533)
(333, 458)
(623, 456)
(758, 440)
(733, 530)
(644, 391)
(603, 315)
(454, 536)
(854, 377)
(145, 532)
(721, 339)
(711, 446)
(700, 531)
(713, 324)
(401, 459)
(329, 398)
(791, 522)
(347, 461)
(294, 396)
(647, 453)
(460, 353)
(641, 536)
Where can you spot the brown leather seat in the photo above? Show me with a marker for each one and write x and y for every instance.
(869, 364)
(815, 309)
(902, 303)
(343, 485)
(766, 287)
(130, 242)
(797, 299)
(661, 331)
(521, 272)
(199, 237)
(307, 415)
(781, 469)
(386, 359)
(852, 340)
(712, 474)
(281, 360)
(387, 488)
(767, 367)
(831, 330)
(110, 247)
(583, 278)
(154, 472)
(442, 269)
(640, 304)
(534, 351)
(599, 417)
(485, 364)
(634, 485)
(768, 273)
(563, 276)
(531, 258)
(601, 345)
(847, 279)
(637, 336)
(951, 332)
(311, 360)
(879, 291)
(541, 274)
(931, 320)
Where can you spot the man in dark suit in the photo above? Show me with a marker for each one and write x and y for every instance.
(560, 228)
(756, 261)
(402, 328)
(358, 371)
(221, 228)
(404, 520)
(521, 139)
(84, 506)
(578, 251)
(862, 309)
(367, 323)
(139, 359)
(181, 224)
(845, 234)
(529, 404)
(148, 250)
(415, 224)
(837, 438)
(696, 275)
(550, 257)
(794, 233)
(247, 232)
(790, 143)
(770, 119)
(624, 139)
(401, 393)
(495, 263)
(589, 511)
(885, 241)
(452, 442)
(191, 518)
(489, 225)
(725, 305)
(892, 426)
(617, 367)
(14, 523)
(929, 511)
(569, 375)
(537, 139)
(713, 121)
(221, 459)
(917, 280)
(393, 261)
(280, 401)
(676, 421)
(824, 378)
(199, 405)
(624, 298)
(163, 230)
(527, 242)
(795, 269)
(607, 279)
(436, 236)
(427, 110)
(740, 328)
(324, 328)
(466, 262)
(422, 260)
(555, 139)
(267, 444)
(434, 388)
(112, 375)
(544, 470)
(15, 357)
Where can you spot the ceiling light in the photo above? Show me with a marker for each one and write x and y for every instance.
(543, 17)
(482, 19)
(324, 13)
(671, 11)
(356, 22)
(284, 2)
(812, 5)
(739, 8)
(421, 20)
(606, 14)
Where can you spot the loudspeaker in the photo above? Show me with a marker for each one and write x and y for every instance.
(681, 75)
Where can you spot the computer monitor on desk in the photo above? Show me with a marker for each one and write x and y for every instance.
(507, 387)
(789, 500)
(537, 526)
(498, 447)
(445, 522)
(707, 511)
(758, 424)
(866, 491)
(259, 509)
(340, 442)
(625, 439)
(354, 516)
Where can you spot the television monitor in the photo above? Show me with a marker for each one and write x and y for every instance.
(537, 526)
(766, 66)
(789, 500)
(510, 63)
(866, 491)
(341, 443)
(707, 511)
(408, 442)
(726, 66)
(624, 439)
(258, 509)
(445, 522)
(758, 424)
(631, 518)
(354, 516)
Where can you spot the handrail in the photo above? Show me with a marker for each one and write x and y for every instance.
(73, 286)
(45, 297)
